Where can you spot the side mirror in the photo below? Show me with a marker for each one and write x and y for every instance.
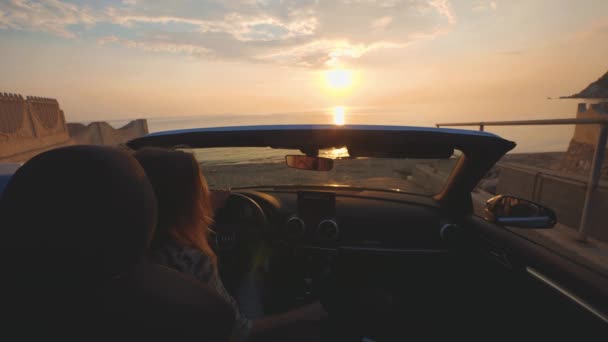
(309, 163)
(518, 212)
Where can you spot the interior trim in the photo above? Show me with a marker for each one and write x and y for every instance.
(374, 249)
(568, 294)
(394, 250)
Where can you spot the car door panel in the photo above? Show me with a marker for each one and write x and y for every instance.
(574, 296)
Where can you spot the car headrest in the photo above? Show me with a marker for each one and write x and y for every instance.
(75, 226)
(78, 213)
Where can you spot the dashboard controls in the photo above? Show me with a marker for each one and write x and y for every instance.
(327, 230)
(295, 228)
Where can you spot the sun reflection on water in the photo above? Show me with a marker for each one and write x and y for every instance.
(339, 115)
(335, 153)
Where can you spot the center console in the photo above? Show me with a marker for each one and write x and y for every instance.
(315, 219)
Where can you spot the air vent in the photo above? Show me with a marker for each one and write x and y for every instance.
(327, 230)
(295, 228)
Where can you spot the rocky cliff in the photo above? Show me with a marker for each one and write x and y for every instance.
(596, 90)
(33, 124)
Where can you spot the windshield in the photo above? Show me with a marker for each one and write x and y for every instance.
(264, 166)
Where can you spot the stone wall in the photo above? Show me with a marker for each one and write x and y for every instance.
(564, 193)
(579, 157)
(29, 124)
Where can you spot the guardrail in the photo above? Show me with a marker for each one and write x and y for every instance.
(598, 155)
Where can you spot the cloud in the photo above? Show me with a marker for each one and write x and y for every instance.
(50, 16)
(444, 8)
(381, 23)
(306, 33)
(107, 40)
(158, 45)
(324, 52)
(485, 5)
(241, 27)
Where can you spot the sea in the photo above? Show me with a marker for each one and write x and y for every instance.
(529, 139)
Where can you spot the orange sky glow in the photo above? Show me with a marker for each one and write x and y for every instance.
(431, 60)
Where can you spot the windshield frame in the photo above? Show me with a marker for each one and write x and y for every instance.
(481, 150)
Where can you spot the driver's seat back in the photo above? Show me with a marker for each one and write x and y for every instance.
(75, 226)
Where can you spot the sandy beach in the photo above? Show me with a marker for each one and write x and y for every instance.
(369, 173)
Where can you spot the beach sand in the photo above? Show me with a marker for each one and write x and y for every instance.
(368, 173)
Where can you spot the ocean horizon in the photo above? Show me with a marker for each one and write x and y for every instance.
(529, 139)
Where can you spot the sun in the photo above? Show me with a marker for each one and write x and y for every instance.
(339, 79)
(338, 115)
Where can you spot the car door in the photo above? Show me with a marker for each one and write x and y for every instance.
(528, 287)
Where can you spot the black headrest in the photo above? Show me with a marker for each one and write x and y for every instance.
(75, 224)
(78, 212)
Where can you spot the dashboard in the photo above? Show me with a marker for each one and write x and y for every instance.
(377, 260)
(345, 218)
(374, 251)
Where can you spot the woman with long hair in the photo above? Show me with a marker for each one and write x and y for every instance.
(185, 213)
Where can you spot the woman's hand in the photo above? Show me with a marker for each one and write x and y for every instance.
(219, 198)
(310, 312)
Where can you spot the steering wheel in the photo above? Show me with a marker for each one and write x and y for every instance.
(237, 236)
(240, 220)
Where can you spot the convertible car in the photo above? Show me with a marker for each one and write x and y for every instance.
(378, 223)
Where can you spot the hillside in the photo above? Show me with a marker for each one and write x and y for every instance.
(597, 89)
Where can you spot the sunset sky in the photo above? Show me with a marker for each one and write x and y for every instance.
(138, 58)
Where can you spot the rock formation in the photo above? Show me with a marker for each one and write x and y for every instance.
(31, 125)
(596, 90)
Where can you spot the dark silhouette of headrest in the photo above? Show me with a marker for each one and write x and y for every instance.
(82, 212)
(75, 225)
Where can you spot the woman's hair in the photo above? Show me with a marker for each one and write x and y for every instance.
(184, 203)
